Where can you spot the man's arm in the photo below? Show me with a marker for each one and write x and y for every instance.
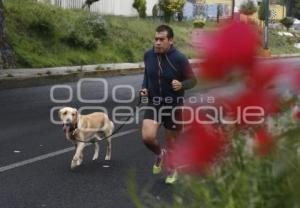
(144, 90)
(189, 79)
(145, 81)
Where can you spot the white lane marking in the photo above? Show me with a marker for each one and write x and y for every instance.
(52, 154)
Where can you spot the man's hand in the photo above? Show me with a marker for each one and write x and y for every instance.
(176, 85)
(144, 92)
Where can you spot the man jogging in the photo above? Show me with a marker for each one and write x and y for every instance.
(167, 75)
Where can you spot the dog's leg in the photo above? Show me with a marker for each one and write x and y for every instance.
(77, 159)
(108, 149)
(96, 153)
(108, 145)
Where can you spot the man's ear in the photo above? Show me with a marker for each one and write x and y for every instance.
(171, 41)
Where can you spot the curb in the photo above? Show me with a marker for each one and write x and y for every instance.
(293, 55)
(278, 56)
(19, 82)
(18, 78)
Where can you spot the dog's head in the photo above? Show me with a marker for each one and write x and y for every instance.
(69, 118)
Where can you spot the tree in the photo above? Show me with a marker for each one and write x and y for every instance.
(88, 4)
(140, 6)
(248, 8)
(1, 33)
(1, 24)
(155, 11)
(296, 10)
(289, 7)
(7, 56)
(219, 12)
(170, 7)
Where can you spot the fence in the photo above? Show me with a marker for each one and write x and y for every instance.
(108, 7)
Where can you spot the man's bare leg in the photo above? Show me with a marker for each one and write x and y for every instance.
(170, 136)
(149, 134)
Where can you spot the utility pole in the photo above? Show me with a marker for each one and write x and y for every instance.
(232, 8)
(266, 28)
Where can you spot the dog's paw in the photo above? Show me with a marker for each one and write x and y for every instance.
(73, 164)
(107, 157)
(95, 157)
(78, 162)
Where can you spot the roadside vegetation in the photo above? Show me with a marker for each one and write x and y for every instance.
(46, 36)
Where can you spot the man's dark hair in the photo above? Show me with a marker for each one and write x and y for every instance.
(165, 28)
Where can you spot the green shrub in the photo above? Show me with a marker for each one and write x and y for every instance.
(97, 25)
(38, 20)
(79, 38)
(43, 27)
(180, 16)
(155, 11)
(198, 23)
(87, 32)
(287, 22)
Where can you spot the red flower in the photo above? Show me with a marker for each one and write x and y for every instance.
(263, 142)
(196, 149)
(297, 115)
(258, 102)
(294, 78)
(234, 47)
(262, 75)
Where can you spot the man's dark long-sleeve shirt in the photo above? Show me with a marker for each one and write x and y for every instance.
(161, 70)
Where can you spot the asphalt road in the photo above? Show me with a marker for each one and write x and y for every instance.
(35, 157)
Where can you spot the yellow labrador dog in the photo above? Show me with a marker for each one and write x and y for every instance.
(80, 129)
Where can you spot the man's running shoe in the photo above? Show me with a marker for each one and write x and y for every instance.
(157, 167)
(172, 177)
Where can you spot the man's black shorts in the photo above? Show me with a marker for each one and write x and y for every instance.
(169, 116)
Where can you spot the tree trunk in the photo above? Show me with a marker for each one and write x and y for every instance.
(7, 56)
(1, 32)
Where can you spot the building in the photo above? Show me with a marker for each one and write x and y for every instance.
(207, 9)
(194, 9)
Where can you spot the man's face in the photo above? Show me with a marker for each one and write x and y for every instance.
(161, 42)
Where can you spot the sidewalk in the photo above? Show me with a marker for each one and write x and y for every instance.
(16, 78)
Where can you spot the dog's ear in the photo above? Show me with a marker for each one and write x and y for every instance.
(76, 114)
(59, 114)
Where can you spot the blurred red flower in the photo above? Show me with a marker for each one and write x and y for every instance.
(263, 75)
(196, 149)
(263, 142)
(234, 47)
(251, 106)
(297, 115)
